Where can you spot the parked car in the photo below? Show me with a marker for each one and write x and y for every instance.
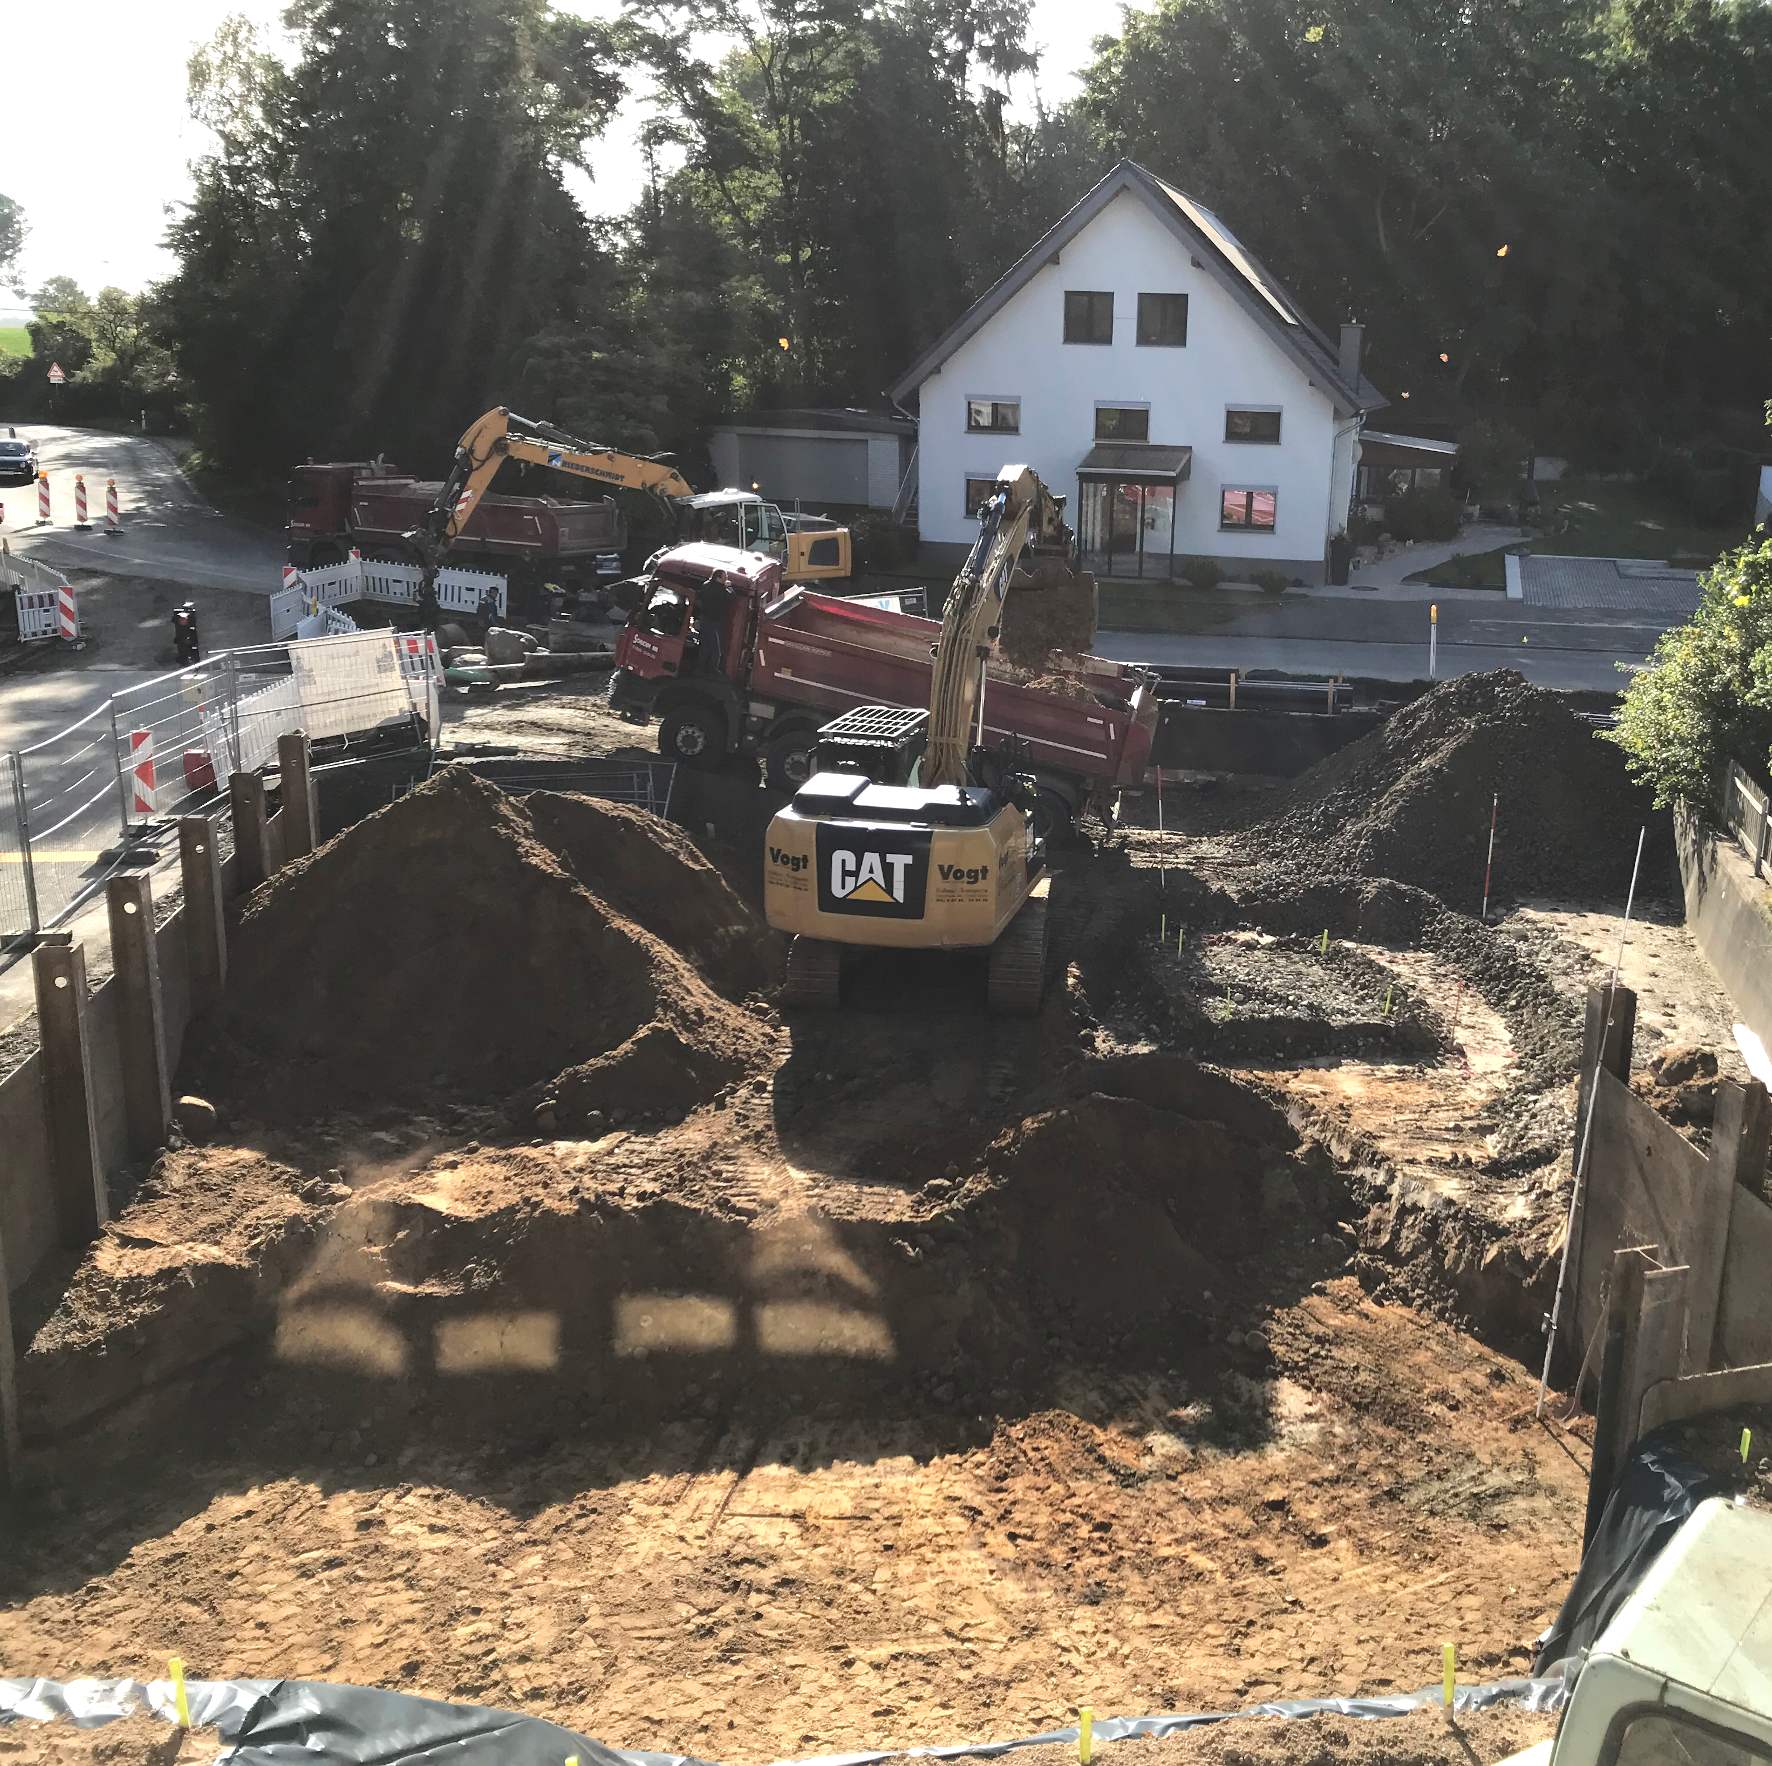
(18, 458)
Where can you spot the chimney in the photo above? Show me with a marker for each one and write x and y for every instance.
(1353, 334)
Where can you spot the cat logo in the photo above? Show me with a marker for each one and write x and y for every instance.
(869, 876)
(861, 871)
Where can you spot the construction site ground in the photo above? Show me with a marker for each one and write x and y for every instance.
(751, 1386)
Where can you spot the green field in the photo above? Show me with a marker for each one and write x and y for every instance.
(15, 340)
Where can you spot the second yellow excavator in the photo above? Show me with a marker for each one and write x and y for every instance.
(810, 549)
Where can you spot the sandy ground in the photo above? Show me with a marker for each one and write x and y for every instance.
(1318, 1529)
(1290, 1484)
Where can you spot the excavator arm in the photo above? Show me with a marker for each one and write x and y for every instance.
(500, 435)
(1021, 513)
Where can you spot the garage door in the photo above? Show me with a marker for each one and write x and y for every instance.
(833, 470)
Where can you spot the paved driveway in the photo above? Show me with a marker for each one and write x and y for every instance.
(1622, 585)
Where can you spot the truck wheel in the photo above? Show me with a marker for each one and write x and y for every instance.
(692, 735)
(814, 974)
(1018, 963)
(787, 761)
(1053, 816)
(324, 554)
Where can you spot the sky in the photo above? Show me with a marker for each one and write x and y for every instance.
(104, 141)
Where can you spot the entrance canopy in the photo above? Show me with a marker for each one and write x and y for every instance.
(1126, 507)
(1154, 462)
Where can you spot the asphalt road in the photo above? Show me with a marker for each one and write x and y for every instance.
(169, 531)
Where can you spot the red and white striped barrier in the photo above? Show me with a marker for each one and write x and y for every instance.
(80, 520)
(113, 518)
(144, 794)
(67, 612)
(42, 499)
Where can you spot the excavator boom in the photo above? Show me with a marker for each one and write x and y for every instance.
(500, 435)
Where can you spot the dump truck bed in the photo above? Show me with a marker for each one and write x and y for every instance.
(833, 654)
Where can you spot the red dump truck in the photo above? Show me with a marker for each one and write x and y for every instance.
(372, 506)
(732, 662)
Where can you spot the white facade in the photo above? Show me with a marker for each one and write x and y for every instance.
(1230, 360)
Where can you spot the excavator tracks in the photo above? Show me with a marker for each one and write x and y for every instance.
(814, 973)
(1018, 961)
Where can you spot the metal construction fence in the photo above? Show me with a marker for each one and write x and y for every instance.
(73, 805)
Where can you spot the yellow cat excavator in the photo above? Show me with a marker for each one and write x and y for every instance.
(812, 551)
(893, 841)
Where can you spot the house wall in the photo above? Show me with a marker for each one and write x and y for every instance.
(1228, 360)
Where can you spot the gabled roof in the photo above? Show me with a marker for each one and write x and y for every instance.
(1219, 252)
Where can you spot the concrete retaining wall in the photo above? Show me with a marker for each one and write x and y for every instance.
(1730, 913)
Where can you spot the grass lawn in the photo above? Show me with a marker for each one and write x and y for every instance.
(15, 340)
(1617, 518)
(1468, 570)
(1160, 607)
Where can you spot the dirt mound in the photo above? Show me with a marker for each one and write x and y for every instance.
(652, 872)
(443, 945)
(1412, 800)
(1056, 611)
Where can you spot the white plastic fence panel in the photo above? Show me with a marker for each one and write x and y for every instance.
(288, 609)
(348, 685)
(264, 714)
(381, 581)
(422, 670)
(36, 613)
(334, 624)
(460, 591)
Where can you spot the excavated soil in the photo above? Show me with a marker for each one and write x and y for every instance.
(1412, 801)
(131, 1741)
(1054, 612)
(463, 944)
(899, 1377)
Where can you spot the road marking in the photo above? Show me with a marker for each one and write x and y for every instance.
(59, 857)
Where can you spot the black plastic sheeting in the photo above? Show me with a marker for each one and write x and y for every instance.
(307, 1722)
(1655, 1492)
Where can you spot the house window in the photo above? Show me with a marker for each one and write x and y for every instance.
(1088, 316)
(1162, 320)
(1257, 423)
(993, 416)
(1123, 423)
(1247, 509)
(979, 491)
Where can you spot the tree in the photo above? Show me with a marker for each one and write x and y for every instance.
(12, 242)
(1706, 697)
(384, 228)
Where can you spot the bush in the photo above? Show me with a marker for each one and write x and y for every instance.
(1707, 695)
(1422, 515)
(1201, 573)
(1272, 582)
(1363, 530)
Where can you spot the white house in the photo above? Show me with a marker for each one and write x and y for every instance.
(1143, 362)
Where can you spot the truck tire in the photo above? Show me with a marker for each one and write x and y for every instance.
(692, 735)
(323, 553)
(787, 761)
(1018, 963)
(814, 974)
(1054, 819)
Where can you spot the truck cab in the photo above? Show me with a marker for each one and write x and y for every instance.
(1683, 1674)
